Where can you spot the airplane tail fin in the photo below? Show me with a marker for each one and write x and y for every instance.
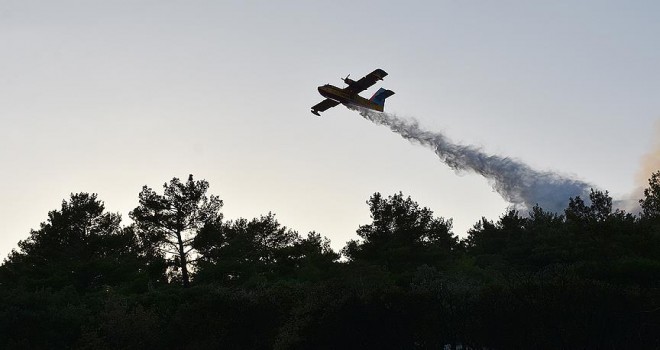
(380, 96)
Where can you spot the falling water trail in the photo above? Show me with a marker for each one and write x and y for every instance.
(514, 180)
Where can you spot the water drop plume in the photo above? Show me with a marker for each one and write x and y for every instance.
(514, 180)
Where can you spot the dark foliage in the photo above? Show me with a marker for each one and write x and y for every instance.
(586, 278)
(167, 224)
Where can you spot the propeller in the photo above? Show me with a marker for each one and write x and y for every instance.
(347, 80)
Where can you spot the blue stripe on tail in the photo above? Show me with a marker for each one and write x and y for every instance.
(380, 96)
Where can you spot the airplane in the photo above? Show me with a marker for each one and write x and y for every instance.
(349, 95)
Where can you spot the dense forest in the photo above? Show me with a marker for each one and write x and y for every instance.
(180, 276)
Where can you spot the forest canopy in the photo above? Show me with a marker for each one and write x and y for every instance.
(180, 276)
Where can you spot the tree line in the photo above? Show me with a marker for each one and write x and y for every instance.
(182, 277)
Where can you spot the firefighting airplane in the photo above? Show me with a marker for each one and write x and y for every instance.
(349, 95)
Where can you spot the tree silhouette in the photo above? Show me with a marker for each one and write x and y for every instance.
(241, 249)
(236, 251)
(651, 202)
(402, 234)
(79, 245)
(599, 210)
(170, 222)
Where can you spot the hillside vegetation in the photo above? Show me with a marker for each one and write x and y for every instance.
(182, 277)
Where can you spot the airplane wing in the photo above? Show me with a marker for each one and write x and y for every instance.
(365, 82)
(323, 105)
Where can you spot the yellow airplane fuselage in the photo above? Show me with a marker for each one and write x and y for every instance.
(347, 98)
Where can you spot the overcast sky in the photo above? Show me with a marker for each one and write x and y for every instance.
(108, 96)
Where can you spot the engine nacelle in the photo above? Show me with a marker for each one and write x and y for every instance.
(348, 81)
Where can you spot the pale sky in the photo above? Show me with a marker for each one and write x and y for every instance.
(108, 96)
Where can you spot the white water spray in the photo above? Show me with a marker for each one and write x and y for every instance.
(515, 181)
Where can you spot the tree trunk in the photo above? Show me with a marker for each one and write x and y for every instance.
(183, 261)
